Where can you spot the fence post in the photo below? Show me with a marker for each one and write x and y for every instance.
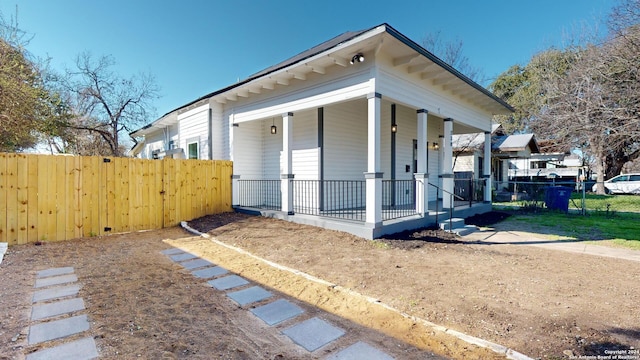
(235, 188)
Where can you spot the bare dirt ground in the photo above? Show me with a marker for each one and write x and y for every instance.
(542, 303)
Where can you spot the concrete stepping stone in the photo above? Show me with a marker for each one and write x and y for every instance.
(57, 329)
(83, 349)
(54, 272)
(360, 351)
(56, 280)
(313, 334)
(210, 272)
(228, 282)
(182, 257)
(55, 292)
(43, 311)
(171, 251)
(250, 295)
(277, 312)
(194, 264)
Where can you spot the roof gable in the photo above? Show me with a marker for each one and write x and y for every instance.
(338, 51)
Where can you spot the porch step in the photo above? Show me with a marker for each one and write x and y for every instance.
(457, 226)
(467, 229)
(453, 223)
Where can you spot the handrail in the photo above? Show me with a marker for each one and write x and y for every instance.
(451, 196)
(448, 192)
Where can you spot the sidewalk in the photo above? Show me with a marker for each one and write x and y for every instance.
(490, 237)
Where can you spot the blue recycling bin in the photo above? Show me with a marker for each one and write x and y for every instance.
(557, 198)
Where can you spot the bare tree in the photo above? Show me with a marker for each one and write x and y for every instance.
(452, 53)
(584, 108)
(106, 103)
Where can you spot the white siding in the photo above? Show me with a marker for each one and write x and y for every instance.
(464, 163)
(271, 147)
(305, 152)
(153, 142)
(220, 132)
(338, 85)
(385, 137)
(395, 83)
(345, 141)
(406, 119)
(434, 130)
(193, 124)
(248, 151)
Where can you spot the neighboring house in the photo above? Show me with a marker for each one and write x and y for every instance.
(353, 134)
(469, 155)
(553, 163)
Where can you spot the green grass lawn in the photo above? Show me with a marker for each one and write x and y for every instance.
(610, 220)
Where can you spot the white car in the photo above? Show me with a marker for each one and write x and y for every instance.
(622, 184)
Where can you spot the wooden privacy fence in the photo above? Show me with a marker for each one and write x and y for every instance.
(54, 198)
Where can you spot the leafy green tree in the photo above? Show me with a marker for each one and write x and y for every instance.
(522, 87)
(28, 109)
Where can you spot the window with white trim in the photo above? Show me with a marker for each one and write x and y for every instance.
(193, 150)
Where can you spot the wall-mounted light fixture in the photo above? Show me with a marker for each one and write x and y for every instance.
(357, 58)
(236, 125)
(394, 128)
(274, 129)
(436, 146)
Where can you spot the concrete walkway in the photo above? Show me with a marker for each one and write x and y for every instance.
(490, 237)
(57, 323)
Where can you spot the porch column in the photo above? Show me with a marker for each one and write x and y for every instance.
(286, 183)
(447, 165)
(373, 176)
(486, 170)
(421, 175)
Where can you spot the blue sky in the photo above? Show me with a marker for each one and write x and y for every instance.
(196, 47)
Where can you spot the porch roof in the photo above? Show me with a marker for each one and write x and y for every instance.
(338, 51)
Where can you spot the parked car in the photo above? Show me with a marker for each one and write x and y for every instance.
(622, 184)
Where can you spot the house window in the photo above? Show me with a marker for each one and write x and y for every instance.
(193, 150)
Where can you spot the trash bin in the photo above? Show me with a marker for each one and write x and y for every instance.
(557, 198)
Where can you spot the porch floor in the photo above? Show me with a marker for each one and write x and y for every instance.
(352, 225)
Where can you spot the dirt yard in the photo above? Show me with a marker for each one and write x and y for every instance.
(542, 303)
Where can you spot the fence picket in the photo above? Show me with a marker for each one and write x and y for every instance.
(3, 197)
(53, 198)
(12, 199)
(32, 199)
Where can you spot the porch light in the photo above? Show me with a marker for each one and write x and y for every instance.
(274, 129)
(436, 146)
(357, 58)
(394, 128)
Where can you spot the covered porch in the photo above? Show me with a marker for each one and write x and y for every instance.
(369, 166)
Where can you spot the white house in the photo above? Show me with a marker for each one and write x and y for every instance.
(354, 134)
(468, 164)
